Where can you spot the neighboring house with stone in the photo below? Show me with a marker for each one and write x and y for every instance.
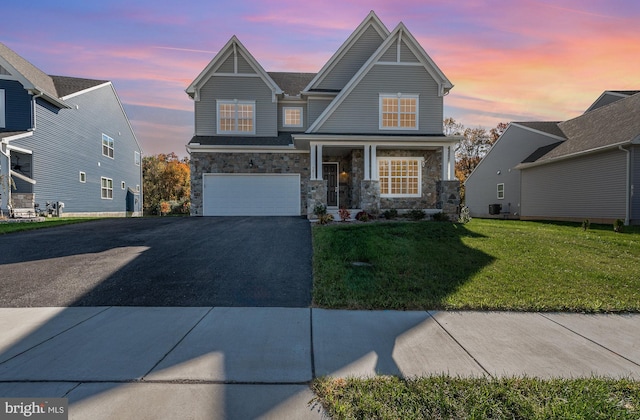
(65, 140)
(365, 132)
(587, 169)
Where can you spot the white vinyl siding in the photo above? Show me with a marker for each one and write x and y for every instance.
(106, 188)
(236, 117)
(292, 116)
(400, 177)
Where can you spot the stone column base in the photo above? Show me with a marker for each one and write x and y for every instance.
(370, 196)
(316, 195)
(448, 198)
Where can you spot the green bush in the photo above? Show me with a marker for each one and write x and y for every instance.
(440, 217)
(320, 210)
(416, 214)
(390, 214)
(323, 219)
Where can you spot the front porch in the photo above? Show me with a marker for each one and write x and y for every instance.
(376, 177)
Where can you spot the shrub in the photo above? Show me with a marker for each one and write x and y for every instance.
(323, 219)
(416, 214)
(320, 210)
(440, 217)
(344, 214)
(465, 216)
(586, 224)
(618, 225)
(390, 214)
(363, 216)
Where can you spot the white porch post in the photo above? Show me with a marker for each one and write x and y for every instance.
(313, 158)
(445, 163)
(374, 163)
(452, 163)
(367, 162)
(319, 161)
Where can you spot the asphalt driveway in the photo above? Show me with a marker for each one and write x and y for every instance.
(190, 261)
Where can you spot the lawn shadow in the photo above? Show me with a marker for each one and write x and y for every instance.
(408, 265)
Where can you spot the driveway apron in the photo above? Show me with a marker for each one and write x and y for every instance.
(190, 261)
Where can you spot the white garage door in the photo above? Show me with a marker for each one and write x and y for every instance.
(251, 195)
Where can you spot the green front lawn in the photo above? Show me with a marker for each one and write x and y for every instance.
(443, 397)
(485, 264)
(48, 222)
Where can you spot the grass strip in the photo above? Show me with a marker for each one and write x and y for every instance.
(445, 397)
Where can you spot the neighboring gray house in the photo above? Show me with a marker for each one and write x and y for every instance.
(590, 174)
(495, 182)
(363, 133)
(65, 140)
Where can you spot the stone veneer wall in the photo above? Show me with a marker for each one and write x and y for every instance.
(278, 163)
(449, 197)
(431, 174)
(317, 195)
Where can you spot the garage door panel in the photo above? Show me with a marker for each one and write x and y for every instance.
(251, 195)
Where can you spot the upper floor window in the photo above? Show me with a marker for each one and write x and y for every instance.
(292, 117)
(136, 158)
(236, 117)
(107, 146)
(398, 112)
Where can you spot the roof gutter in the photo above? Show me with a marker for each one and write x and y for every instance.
(571, 156)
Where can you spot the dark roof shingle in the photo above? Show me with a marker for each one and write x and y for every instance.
(292, 83)
(67, 85)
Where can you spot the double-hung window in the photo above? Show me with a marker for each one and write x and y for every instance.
(236, 117)
(398, 112)
(500, 192)
(292, 116)
(106, 188)
(107, 146)
(400, 177)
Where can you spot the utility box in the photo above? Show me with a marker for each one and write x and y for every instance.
(495, 208)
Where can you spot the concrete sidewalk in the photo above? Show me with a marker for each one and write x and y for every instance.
(135, 362)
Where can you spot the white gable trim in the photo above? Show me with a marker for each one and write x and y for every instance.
(371, 20)
(533, 130)
(443, 83)
(233, 46)
(85, 91)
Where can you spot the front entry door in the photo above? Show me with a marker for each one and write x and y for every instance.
(330, 174)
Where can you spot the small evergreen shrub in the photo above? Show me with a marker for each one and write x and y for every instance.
(390, 214)
(586, 224)
(363, 216)
(440, 217)
(618, 225)
(416, 214)
(319, 210)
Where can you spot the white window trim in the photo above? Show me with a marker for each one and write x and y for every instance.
(284, 116)
(102, 189)
(419, 159)
(136, 158)
(498, 191)
(82, 177)
(235, 102)
(398, 96)
(123, 185)
(3, 107)
(110, 145)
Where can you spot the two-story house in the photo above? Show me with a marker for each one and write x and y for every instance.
(65, 140)
(365, 132)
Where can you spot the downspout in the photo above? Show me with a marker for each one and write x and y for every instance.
(34, 109)
(628, 186)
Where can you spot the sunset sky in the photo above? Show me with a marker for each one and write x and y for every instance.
(508, 60)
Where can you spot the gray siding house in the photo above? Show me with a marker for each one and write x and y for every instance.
(365, 132)
(65, 140)
(590, 174)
